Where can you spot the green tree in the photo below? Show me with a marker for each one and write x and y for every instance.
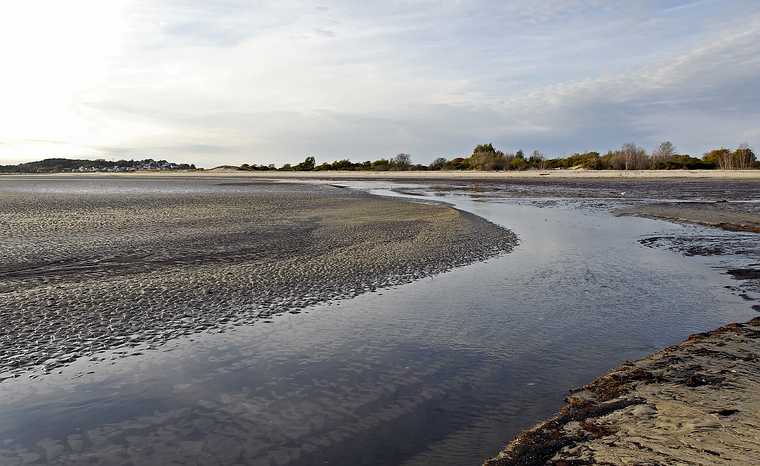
(438, 164)
(306, 165)
(459, 163)
(484, 148)
(485, 157)
(721, 158)
(518, 163)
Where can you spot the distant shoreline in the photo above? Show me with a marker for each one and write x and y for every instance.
(428, 175)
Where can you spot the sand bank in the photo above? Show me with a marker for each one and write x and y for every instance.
(697, 402)
(693, 403)
(732, 217)
(92, 268)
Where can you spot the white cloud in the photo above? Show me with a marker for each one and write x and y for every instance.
(237, 81)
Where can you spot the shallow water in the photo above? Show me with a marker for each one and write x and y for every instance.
(440, 371)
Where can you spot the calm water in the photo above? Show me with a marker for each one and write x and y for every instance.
(438, 372)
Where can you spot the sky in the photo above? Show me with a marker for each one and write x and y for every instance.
(258, 81)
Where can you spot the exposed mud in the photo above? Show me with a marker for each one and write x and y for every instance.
(742, 250)
(695, 190)
(731, 216)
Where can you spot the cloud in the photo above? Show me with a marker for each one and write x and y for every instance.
(238, 81)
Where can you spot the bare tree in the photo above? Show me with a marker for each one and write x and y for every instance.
(537, 160)
(663, 154)
(402, 161)
(634, 157)
(743, 157)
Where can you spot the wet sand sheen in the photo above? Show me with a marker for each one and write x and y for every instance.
(692, 403)
(89, 271)
(439, 371)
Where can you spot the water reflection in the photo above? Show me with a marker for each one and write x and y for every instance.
(440, 371)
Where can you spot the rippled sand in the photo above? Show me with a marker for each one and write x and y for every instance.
(86, 270)
(692, 403)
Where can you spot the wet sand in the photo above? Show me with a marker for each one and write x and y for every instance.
(121, 258)
(693, 403)
(732, 217)
(130, 267)
(697, 402)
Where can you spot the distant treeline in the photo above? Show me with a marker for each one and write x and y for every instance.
(399, 162)
(486, 158)
(81, 165)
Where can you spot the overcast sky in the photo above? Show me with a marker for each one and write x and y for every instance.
(235, 81)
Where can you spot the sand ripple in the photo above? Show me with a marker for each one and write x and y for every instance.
(84, 272)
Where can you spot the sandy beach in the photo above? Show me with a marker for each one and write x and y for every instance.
(693, 403)
(118, 263)
(116, 268)
(380, 233)
(697, 402)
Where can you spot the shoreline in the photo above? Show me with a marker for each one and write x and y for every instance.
(705, 214)
(696, 402)
(443, 175)
(590, 416)
(159, 264)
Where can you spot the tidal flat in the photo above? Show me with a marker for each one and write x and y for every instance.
(93, 265)
(495, 298)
